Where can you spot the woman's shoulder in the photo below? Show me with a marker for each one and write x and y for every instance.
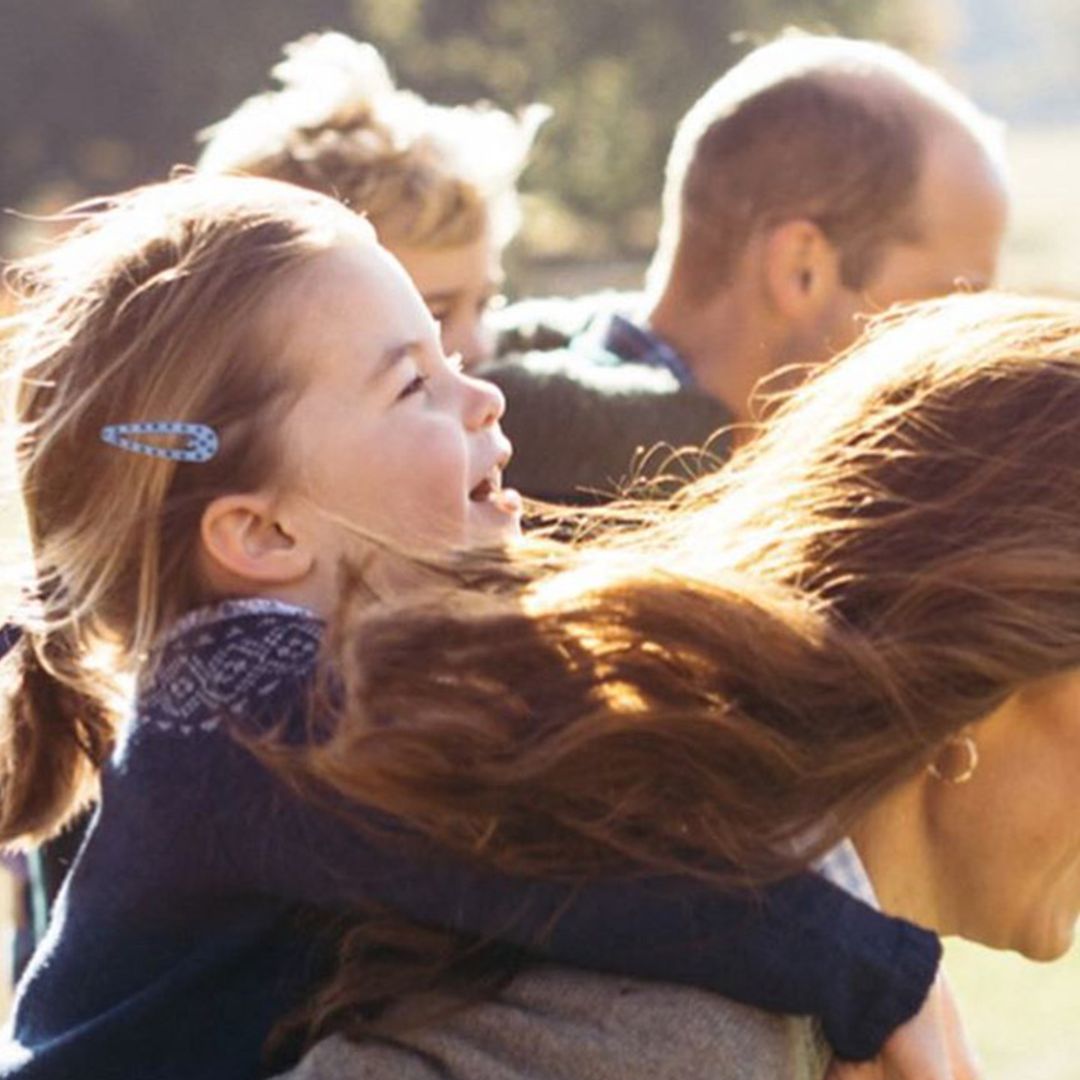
(242, 659)
(554, 1023)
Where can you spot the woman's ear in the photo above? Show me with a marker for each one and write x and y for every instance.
(244, 539)
(802, 269)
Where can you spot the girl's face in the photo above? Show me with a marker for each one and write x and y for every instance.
(388, 438)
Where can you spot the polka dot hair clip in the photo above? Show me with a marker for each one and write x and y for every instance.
(200, 440)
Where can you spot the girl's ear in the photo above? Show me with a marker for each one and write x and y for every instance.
(245, 540)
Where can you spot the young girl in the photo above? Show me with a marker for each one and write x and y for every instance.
(225, 388)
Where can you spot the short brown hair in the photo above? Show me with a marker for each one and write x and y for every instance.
(824, 128)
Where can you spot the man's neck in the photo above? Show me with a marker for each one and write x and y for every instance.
(723, 344)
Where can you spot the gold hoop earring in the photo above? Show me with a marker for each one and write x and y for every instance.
(968, 765)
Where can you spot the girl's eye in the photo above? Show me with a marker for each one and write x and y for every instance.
(414, 385)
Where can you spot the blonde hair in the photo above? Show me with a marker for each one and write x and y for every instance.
(427, 176)
(150, 310)
(827, 128)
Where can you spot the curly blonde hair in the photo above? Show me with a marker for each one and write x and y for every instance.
(428, 176)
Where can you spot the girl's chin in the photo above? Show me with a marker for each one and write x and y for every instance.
(497, 519)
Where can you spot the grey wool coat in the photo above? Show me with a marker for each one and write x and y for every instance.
(559, 1024)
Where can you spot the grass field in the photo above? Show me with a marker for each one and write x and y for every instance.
(1024, 1018)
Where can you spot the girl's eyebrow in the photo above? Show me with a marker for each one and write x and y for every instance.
(393, 356)
(491, 286)
(441, 297)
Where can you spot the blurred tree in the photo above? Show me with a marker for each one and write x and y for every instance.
(98, 94)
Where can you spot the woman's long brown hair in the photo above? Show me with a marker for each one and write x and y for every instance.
(725, 688)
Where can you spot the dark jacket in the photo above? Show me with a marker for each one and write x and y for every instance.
(586, 423)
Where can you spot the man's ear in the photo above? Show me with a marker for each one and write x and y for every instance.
(802, 269)
(243, 537)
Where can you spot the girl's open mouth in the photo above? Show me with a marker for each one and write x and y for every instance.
(485, 489)
(491, 491)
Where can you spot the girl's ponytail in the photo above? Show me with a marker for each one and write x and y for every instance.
(54, 737)
(153, 307)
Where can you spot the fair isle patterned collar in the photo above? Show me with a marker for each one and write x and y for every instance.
(230, 609)
(231, 659)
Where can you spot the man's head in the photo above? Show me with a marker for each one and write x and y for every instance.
(831, 178)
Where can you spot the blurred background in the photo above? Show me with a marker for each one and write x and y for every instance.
(100, 94)
(96, 95)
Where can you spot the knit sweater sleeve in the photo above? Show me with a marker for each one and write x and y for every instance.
(213, 816)
(803, 946)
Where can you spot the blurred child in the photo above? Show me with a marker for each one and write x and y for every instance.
(437, 182)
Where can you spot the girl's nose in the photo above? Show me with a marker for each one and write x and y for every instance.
(484, 403)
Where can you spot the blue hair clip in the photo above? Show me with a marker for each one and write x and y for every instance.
(201, 440)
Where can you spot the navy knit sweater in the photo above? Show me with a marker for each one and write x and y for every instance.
(181, 935)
